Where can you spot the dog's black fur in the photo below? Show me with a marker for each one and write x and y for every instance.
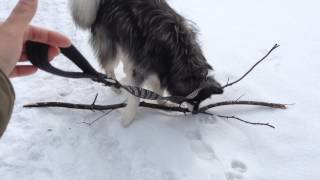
(157, 41)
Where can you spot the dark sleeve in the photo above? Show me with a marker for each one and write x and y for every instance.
(7, 97)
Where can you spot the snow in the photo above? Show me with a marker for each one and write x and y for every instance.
(53, 143)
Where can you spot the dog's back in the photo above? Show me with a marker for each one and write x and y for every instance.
(156, 39)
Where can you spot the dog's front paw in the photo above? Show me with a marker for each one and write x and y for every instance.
(126, 121)
(190, 107)
(130, 111)
(127, 118)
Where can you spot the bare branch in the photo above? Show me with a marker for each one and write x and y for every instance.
(203, 110)
(76, 106)
(240, 97)
(104, 115)
(153, 106)
(164, 108)
(251, 103)
(247, 122)
(254, 66)
(103, 108)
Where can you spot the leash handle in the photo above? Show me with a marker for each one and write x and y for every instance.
(38, 56)
(78, 59)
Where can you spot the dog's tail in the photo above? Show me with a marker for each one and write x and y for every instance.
(84, 12)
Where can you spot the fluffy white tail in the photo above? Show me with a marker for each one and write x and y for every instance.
(84, 12)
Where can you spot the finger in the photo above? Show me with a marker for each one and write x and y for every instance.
(22, 15)
(53, 52)
(46, 36)
(23, 58)
(23, 70)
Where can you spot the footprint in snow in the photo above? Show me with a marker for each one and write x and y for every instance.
(206, 153)
(239, 166)
(199, 147)
(238, 170)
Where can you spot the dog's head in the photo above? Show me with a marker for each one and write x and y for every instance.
(208, 88)
(196, 86)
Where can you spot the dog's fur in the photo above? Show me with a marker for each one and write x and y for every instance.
(155, 43)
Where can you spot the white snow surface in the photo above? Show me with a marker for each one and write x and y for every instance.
(54, 144)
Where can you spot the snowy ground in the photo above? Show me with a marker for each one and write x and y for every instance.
(52, 144)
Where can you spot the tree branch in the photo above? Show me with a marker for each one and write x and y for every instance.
(247, 122)
(75, 106)
(202, 110)
(253, 67)
(93, 107)
(251, 103)
(152, 106)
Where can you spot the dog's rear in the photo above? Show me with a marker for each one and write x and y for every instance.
(84, 12)
(157, 42)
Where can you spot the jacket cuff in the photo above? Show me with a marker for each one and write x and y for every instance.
(7, 97)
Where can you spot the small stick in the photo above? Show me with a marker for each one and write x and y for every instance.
(104, 115)
(251, 103)
(247, 122)
(240, 97)
(164, 108)
(254, 66)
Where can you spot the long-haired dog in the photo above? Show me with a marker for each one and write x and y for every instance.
(155, 43)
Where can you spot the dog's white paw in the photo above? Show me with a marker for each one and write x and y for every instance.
(190, 107)
(128, 116)
(126, 121)
(130, 111)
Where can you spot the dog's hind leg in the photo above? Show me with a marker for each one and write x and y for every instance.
(107, 52)
(109, 69)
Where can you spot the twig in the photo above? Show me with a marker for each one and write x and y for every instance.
(254, 66)
(251, 103)
(163, 107)
(94, 102)
(240, 97)
(104, 115)
(247, 122)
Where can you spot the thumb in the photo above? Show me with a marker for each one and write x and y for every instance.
(22, 14)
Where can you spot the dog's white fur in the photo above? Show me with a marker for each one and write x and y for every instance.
(152, 82)
(84, 14)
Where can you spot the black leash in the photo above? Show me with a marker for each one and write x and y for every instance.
(38, 56)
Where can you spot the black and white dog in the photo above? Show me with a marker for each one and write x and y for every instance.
(156, 45)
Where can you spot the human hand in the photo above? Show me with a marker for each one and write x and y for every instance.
(15, 31)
